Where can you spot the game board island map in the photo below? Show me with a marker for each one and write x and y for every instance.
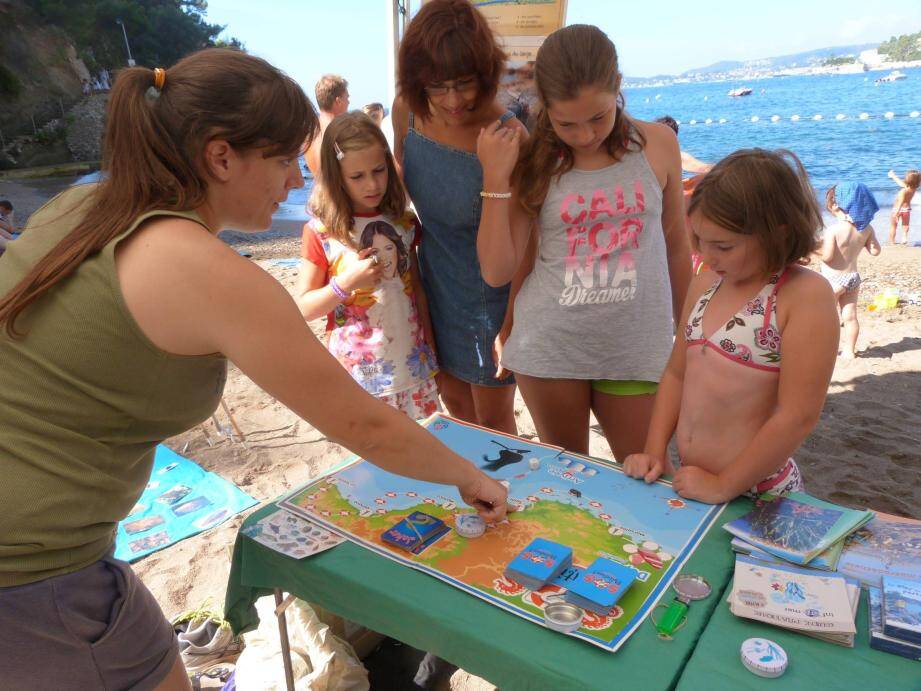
(587, 504)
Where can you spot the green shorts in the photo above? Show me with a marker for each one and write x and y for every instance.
(624, 387)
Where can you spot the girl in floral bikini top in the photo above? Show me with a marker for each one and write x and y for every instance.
(751, 336)
(746, 384)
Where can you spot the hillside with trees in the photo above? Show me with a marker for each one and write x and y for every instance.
(53, 51)
(902, 48)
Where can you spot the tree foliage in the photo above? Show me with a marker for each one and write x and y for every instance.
(160, 32)
(902, 48)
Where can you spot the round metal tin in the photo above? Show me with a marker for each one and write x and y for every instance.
(562, 616)
(763, 657)
(469, 525)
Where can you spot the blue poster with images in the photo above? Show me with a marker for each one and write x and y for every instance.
(180, 500)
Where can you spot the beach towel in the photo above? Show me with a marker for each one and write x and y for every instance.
(857, 201)
(180, 500)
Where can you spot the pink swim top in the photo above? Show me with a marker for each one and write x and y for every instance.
(751, 336)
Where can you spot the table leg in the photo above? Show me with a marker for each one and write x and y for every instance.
(285, 646)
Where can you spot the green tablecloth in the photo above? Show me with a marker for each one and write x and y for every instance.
(426, 613)
(813, 665)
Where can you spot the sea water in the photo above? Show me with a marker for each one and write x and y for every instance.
(842, 127)
(818, 117)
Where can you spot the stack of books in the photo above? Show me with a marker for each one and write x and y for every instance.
(600, 586)
(821, 605)
(895, 617)
(886, 546)
(539, 563)
(796, 529)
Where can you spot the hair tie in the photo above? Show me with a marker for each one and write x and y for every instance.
(159, 78)
(339, 154)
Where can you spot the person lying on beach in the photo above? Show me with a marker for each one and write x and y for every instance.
(901, 207)
(746, 382)
(853, 205)
(116, 324)
(6, 224)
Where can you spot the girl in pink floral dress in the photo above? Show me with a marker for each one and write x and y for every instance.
(359, 268)
(747, 377)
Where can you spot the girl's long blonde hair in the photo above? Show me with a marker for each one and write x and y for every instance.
(330, 202)
(571, 59)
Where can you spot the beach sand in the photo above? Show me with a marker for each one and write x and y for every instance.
(865, 451)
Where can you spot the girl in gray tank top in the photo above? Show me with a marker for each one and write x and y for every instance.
(594, 236)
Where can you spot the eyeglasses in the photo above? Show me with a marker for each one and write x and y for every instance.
(461, 86)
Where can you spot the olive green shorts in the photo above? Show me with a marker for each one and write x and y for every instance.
(624, 387)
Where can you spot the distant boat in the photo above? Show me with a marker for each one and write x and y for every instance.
(893, 76)
(741, 91)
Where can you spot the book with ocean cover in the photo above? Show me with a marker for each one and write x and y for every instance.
(886, 546)
(878, 639)
(824, 561)
(796, 527)
(902, 609)
(794, 598)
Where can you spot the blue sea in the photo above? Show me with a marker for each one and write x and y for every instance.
(835, 147)
(829, 136)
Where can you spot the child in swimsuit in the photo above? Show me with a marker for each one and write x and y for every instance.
(854, 206)
(901, 208)
(746, 382)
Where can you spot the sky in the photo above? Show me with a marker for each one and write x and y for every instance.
(309, 38)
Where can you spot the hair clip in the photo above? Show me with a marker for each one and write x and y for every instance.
(339, 154)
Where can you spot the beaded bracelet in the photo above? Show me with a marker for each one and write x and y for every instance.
(495, 195)
(337, 289)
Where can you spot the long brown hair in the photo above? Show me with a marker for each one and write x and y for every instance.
(154, 145)
(766, 194)
(330, 202)
(448, 39)
(571, 59)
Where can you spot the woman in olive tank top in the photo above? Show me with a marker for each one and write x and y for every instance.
(119, 308)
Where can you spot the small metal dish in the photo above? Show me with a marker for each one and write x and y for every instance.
(563, 617)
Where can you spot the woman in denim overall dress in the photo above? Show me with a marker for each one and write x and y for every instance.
(449, 69)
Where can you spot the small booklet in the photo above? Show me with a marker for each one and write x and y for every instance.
(825, 561)
(416, 532)
(796, 527)
(878, 639)
(539, 563)
(600, 586)
(794, 598)
(886, 546)
(902, 609)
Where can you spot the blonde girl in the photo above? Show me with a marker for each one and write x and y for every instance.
(359, 268)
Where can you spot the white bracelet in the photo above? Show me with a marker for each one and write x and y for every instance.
(495, 195)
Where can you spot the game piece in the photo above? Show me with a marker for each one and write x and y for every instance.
(601, 586)
(539, 563)
(763, 657)
(563, 617)
(415, 532)
(469, 525)
(533, 463)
